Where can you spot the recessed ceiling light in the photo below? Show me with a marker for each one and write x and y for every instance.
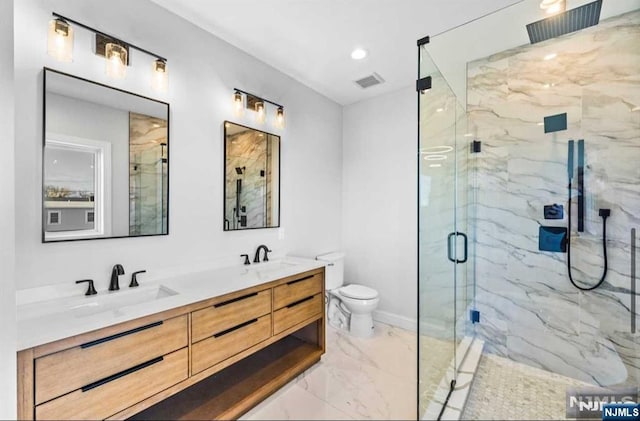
(358, 54)
(550, 56)
(439, 110)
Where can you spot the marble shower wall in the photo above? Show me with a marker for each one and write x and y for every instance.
(148, 177)
(530, 311)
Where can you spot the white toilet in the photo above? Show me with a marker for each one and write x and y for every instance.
(350, 307)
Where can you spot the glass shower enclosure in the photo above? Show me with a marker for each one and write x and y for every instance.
(529, 144)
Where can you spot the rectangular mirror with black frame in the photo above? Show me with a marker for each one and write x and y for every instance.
(105, 161)
(251, 178)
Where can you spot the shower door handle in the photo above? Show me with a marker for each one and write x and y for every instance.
(466, 247)
(450, 255)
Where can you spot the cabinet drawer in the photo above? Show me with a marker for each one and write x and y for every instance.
(223, 345)
(71, 369)
(296, 289)
(296, 313)
(230, 313)
(113, 394)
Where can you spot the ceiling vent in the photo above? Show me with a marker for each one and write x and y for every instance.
(369, 81)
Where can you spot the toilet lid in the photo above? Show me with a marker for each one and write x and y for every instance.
(359, 292)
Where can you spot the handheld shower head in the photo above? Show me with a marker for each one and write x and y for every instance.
(240, 170)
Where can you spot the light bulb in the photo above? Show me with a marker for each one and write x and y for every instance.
(280, 117)
(260, 113)
(160, 77)
(237, 104)
(116, 61)
(60, 40)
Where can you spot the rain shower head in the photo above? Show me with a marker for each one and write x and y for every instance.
(565, 23)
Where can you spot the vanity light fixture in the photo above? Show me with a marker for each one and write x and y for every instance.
(238, 104)
(114, 50)
(260, 113)
(259, 106)
(60, 40)
(160, 78)
(280, 118)
(116, 60)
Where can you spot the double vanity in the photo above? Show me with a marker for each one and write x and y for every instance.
(209, 345)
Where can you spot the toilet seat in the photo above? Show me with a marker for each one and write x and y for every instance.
(358, 292)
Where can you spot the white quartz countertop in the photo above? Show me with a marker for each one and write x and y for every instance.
(41, 321)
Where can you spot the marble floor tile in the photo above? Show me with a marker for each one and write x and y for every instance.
(391, 349)
(358, 378)
(294, 403)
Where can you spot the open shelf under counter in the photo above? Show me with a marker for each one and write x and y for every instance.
(233, 391)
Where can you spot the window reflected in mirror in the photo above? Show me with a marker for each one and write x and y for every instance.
(252, 178)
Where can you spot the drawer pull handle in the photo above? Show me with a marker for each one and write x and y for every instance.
(120, 335)
(300, 302)
(299, 280)
(231, 329)
(121, 374)
(233, 300)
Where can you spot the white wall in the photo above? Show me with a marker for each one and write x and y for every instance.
(203, 70)
(379, 201)
(7, 213)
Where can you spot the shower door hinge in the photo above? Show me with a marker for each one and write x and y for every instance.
(476, 146)
(423, 41)
(423, 84)
(474, 316)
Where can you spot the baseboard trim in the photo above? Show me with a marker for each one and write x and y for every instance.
(396, 320)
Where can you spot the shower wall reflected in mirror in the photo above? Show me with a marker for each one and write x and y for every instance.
(252, 178)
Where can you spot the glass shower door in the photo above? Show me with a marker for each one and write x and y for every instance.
(442, 241)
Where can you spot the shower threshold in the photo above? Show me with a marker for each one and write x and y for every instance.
(471, 348)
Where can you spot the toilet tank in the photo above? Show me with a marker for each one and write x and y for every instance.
(334, 269)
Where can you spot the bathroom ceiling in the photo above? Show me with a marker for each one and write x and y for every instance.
(312, 40)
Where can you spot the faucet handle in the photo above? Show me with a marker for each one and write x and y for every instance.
(134, 278)
(91, 289)
(246, 259)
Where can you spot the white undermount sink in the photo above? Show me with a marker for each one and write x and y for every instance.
(94, 304)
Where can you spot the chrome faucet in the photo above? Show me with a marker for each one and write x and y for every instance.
(256, 259)
(115, 272)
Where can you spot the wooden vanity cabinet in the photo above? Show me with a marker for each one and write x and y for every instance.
(121, 370)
